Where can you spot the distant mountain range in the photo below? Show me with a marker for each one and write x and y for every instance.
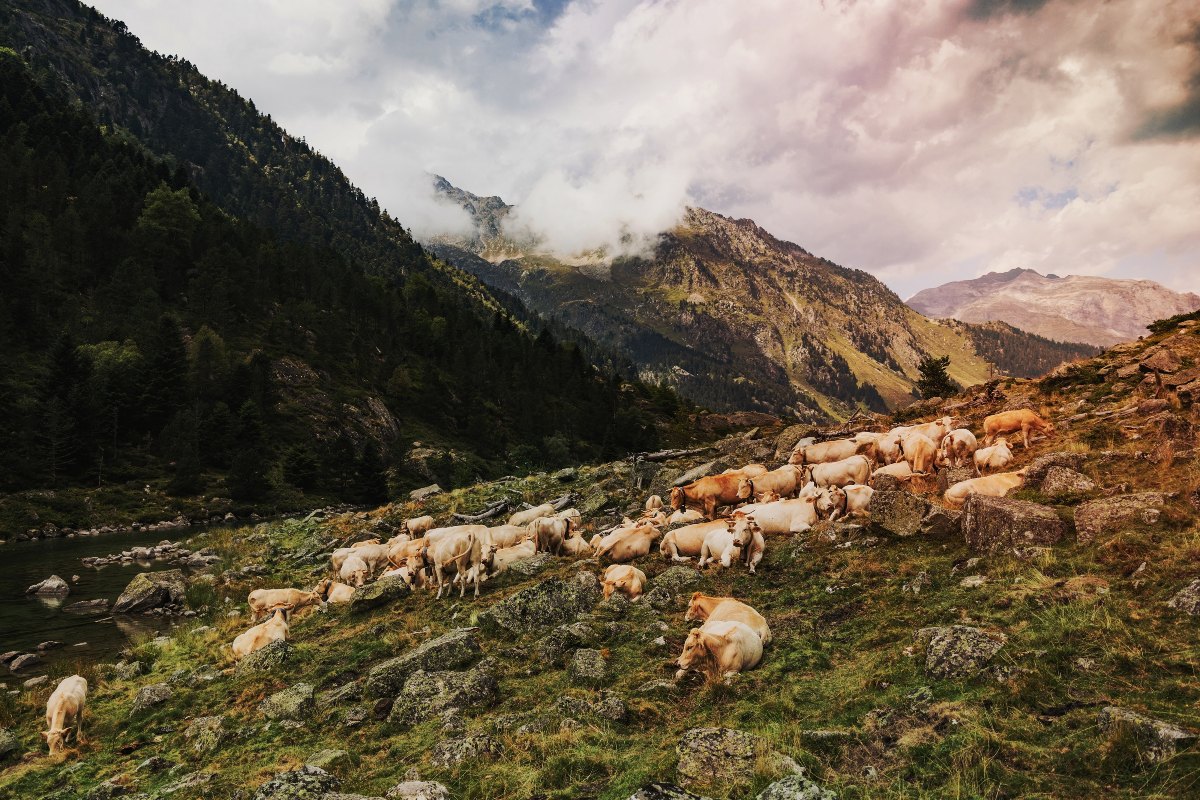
(1077, 308)
(735, 318)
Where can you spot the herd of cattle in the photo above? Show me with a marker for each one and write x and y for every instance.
(825, 480)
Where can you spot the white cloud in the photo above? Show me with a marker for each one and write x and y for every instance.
(908, 138)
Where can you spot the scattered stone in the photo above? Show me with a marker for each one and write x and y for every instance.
(6, 658)
(22, 661)
(456, 649)
(1161, 360)
(205, 734)
(33, 683)
(149, 696)
(298, 784)
(611, 707)
(664, 791)
(724, 757)
(952, 475)
(53, 586)
(424, 492)
(9, 745)
(192, 780)
(973, 581)
(296, 702)
(566, 475)
(795, 787)
(476, 747)
(428, 694)
(106, 790)
(896, 512)
(418, 790)
(588, 666)
(941, 522)
(1187, 599)
(1064, 481)
(155, 765)
(1035, 473)
(151, 590)
(659, 687)
(551, 602)
(679, 581)
(268, 658)
(379, 593)
(49, 645)
(955, 652)
(1157, 740)
(1109, 515)
(994, 523)
(919, 582)
(551, 649)
(348, 691)
(329, 760)
(123, 670)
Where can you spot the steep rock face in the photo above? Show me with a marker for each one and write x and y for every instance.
(1075, 308)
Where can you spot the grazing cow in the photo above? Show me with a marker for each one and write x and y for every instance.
(623, 578)
(654, 503)
(996, 485)
(714, 490)
(918, 450)
(782, 482)
(823, 452)
(681, 544)
(530, 514)
(262, 601)
(549, 533)
(708, 607)
(458, 550)
(65, 706)
(354, 571)
(684, 515)
(1022, 420)
(334, 592)
(720, 648)
(256, 638)
(628, 544)
(417, 526)
(722, 544)
(855, 469)
(572, 515)
(994, 458)
(507, 535)
(957, 448)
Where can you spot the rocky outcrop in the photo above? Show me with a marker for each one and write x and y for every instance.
(588, 667)
(378, 593)
(993, 523)
(475, 748)
(151, 590)
(205, 734)
(1187, 599)
(296, 702)
(955, 652)
(428, 694)
(298, 784)
(1064, 482)
(897, 512)
(1035, 473)
(1109, 515)
(725, 758)
(454, 650)
(1156, 740)
(552, 602)
(149, 696)
(268, 658)
(795, 787)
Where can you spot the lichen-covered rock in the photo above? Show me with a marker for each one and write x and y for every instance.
(795, 787)
(298, 784)
(724, 757)
(887, 483)
(8, 744)
(1109, 515)
(379, 593)
(993, 523)
(1187, 599)
(551, 649)
(941, 522)
(424, 492)
(295, 702)
(476, 747)
(955, 652)
(551, 602)
(1035, 473)
(1064, 481)
(106, 790)
(454, 650)
(952, 475)
(149, 696)
(611, 707)
(898, 513)
(588, 666)
(1157, 740)
(205, 734)
(418, 790)
(150, 590)
(528, 567)
(679, 581)
(274, 655)
(330, 760)
(428, 694)
(664, 791)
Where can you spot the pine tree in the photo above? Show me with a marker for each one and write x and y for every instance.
(372, 477)
(248, 475)
(934, 380)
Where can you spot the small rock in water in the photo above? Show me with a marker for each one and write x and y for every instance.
(49, 645)
(22, 661)
(53, 586)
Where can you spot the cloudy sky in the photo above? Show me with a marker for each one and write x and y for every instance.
(922, 140)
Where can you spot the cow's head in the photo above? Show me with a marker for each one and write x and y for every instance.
(677, 497)
(695, 654)
(321, 590)
(56, 739)
(745, 488)
(695, 608)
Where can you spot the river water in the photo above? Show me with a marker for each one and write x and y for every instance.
(26, 621)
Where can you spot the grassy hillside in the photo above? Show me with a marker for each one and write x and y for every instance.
(844, 689)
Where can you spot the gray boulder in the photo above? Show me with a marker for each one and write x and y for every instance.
(1187, 599)
(551, 649)
(887, 483)
(454, 650)
(150, 590)
(679, 581)
(428, 694)
(1157, 740)
(1064, 481)
(424, 492)
(795, 787)
(22, 661)
(994, 523)
(941, 522)
(379, 593)
(295, 702)
(955, 652)
(528, 567)
(298, 784)
(418, 790)
(474, 748)
(268, 658)
(1108, 515)
(8, 744)
(549, 603)
(952, 475)
(898, 513)
(53, 586)
(149, 696)
(588, 666)
(205, 734)
(724, 758)
(664, 791)
(1036, 472)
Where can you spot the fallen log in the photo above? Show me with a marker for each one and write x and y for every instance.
(492, 511)
(667, 455)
